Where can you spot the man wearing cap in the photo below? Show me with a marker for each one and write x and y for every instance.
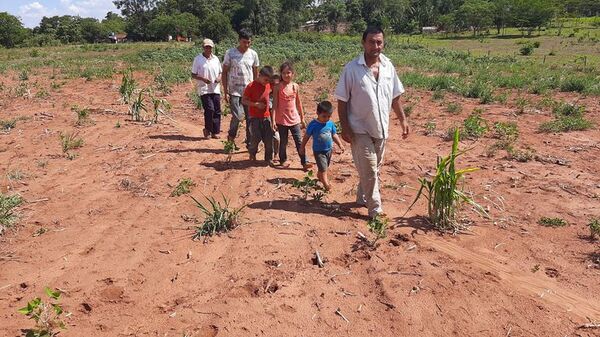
(206, 70)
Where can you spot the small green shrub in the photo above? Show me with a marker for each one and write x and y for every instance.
(526, 49)
(218, 217)
(552, 222)
(566, 124)
(475, 126)
(46, 315)
(307, 184)
(378, 226)
(183, 187)
(438, 95)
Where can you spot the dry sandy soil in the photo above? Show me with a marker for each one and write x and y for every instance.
(116, 243)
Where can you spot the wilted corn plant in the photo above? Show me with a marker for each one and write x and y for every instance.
(218, 217)
(138, 105)
(160, 106)
(127, 87)
(442, 193)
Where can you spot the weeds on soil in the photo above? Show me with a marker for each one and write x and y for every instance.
(8, 124)
(218, 217)
(378, 226)
(442, 193)
(183, 187)
(594, 226)
(45, 314)
(307, 184)
(138, 106)
(475, 126)
(567, 117)
(7, 214)
(70, 141)
(83, 115)
(552, 222)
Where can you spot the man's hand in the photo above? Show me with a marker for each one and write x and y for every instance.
(206, 80)
(225, 97)
(274, 127)
(303, 124)
(347, 134)
(405, 129)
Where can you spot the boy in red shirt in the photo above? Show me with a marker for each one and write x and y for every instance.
(256, 97)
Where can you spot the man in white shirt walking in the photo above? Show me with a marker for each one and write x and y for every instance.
(366, 92)
(240, 67)
(206, 70)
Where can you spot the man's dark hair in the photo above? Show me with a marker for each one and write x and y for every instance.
(372, 30)
(266, 71)
(244, 34)
(325, 106)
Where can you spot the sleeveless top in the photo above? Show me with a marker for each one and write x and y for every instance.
(286, 113)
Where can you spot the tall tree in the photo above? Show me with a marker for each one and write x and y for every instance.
(475, 14)
(139, 13)
(12, 32)
(533, 14)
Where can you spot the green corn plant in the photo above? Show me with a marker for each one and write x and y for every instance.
(137, 106)
(442, 193)
(307, 184)
(127, 87)
(218, 217)
(46, 315)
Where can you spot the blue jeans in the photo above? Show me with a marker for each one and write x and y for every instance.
(283, 140)
(239, 112)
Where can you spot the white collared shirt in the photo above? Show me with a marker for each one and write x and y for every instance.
(211, 70)
(369, 101)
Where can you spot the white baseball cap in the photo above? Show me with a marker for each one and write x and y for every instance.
(208, 42)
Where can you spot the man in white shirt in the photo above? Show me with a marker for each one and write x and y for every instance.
(206, 70)
(366, 92)
(240, 67)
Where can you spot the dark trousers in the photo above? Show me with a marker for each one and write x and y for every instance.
(283, 140)
(261, 131)
(212, 112)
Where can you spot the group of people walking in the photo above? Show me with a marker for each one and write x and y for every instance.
(367, 91)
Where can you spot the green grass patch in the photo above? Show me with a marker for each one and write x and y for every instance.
(552, 222)
(8, 203)
(184, 186)
(219, 217)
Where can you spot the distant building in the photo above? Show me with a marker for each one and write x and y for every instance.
(429, 30)
(117, 38)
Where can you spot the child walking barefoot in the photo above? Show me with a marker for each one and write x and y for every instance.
(324, 133)
(288, 115)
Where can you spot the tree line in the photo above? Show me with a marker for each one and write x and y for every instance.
(154, 20)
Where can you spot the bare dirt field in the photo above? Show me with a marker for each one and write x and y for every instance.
(104, 229)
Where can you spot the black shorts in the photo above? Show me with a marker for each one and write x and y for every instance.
(323, 158)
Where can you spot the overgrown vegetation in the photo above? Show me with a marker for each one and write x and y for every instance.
(8, 203)
(219, 217)
(567, 117)
(45, 314)
(444, 198)
(184, 186)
